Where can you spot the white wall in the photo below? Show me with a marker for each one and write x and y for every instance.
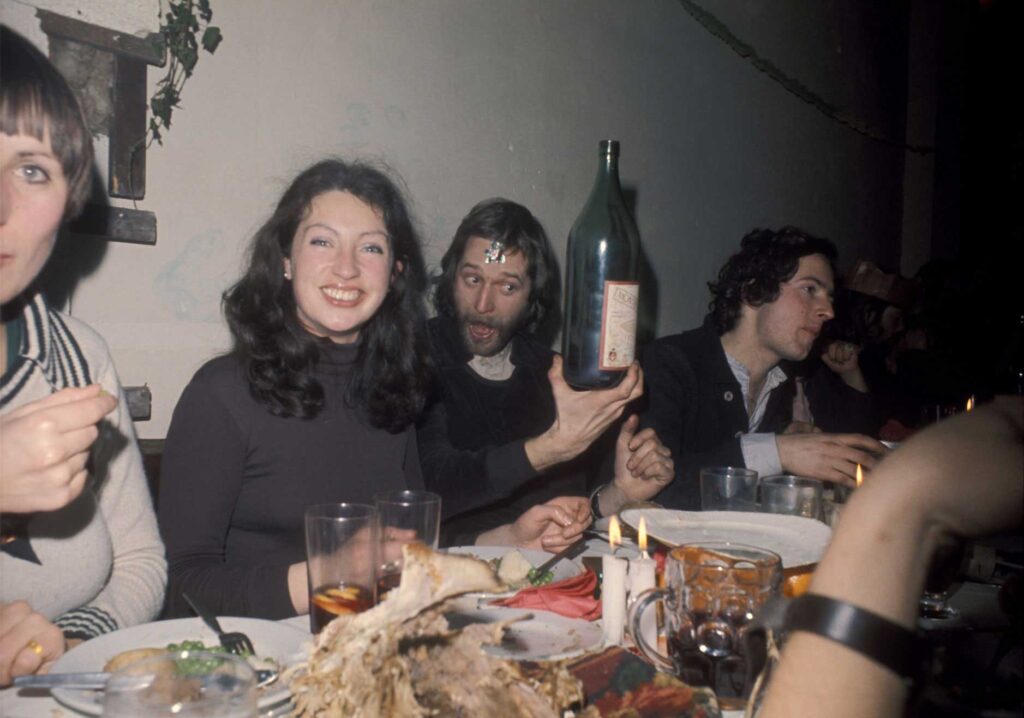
(468, 99)
(137, 17)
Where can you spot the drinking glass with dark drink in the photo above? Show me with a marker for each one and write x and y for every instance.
(329, 601)
(342, 553)
(947, 566)
(405, 517)
(712, 591)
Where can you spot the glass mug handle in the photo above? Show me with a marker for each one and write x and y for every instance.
(636, 611)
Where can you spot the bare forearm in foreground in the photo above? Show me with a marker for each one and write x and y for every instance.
(960, 478)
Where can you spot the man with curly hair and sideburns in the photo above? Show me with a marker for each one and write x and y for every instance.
(717, 395)
(504, 420)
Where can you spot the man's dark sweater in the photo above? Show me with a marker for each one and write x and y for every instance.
(473, 436)
(236, 481)
(697, 407)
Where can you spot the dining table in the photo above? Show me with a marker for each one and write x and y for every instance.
(976, 604)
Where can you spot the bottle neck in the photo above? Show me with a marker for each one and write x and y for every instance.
(607, 180)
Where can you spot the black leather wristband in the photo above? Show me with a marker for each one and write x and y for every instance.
(897, 648)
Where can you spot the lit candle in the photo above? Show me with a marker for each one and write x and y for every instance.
(613, 588)
(837, 508)
(970, 402)
(641, 578)
(642, 538)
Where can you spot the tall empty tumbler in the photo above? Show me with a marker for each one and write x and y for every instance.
(728, 488)
(793, 495)
(405, 517)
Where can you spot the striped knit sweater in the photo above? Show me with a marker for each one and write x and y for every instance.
(101, 562)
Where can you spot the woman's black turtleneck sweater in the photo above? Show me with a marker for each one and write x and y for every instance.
(236, 480)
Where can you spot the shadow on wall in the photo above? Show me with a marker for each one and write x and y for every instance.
(550, 328)
(647, 316)
(74, 256)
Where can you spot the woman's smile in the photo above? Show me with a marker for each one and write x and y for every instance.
(342, 296)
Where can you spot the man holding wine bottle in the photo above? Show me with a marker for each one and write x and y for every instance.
(718, 395)
(503, 414)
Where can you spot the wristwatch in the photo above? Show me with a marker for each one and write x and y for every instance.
(595, 502)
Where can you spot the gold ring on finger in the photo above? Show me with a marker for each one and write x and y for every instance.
(36, 647)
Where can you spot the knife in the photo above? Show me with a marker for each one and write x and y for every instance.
(569, 552)
(98, 681)
(63, 680)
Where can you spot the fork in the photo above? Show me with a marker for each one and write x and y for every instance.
(235, 642)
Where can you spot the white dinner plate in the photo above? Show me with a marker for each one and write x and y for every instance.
(798, 540)
(271, 640)
(544, 637)
(560, 571)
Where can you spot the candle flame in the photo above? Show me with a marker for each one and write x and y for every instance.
(614, 533)
(642, 530)
(860, 476)
(970, 403)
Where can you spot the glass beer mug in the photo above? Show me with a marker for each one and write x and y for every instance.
(712, 591)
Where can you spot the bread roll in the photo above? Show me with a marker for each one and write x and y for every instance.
(125, 657)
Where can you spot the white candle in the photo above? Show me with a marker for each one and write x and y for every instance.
(613, 589)
(641, 578)
(613, 598)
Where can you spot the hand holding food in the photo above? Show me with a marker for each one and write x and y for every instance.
(553, 525)
(550, 526)
(44, 447)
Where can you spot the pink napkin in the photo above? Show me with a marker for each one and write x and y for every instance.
(572, 597)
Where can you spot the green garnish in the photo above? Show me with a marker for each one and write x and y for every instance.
(539, 579)
(192, 666)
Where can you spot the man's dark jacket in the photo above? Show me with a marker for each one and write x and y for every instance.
(472, 437)
(695, 404)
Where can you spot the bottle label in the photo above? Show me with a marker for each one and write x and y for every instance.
(618, 325)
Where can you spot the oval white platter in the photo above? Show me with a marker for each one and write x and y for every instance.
(799, 541)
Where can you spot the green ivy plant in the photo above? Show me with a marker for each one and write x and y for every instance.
(180, 29)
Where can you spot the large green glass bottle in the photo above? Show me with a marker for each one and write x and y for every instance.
(601, 292)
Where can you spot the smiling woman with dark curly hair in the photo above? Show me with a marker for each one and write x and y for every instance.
(316, 402)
